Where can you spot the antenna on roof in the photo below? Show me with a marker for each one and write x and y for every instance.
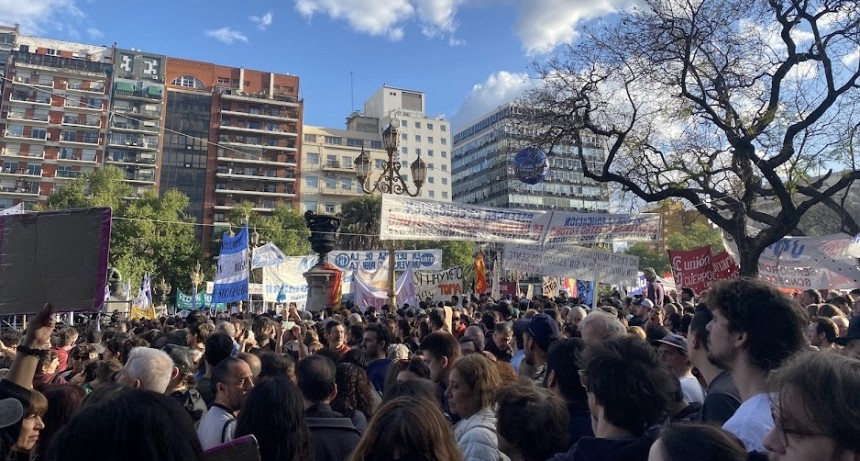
(351, 93)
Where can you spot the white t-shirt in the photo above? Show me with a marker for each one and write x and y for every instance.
(751, 422)
(692, 389)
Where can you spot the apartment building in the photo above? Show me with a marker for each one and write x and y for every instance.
(420, 134)
(484, 172)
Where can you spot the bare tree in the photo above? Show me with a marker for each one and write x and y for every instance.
(735, 106)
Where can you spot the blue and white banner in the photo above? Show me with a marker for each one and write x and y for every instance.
(267, 255)
(231, 278)
(417, 260)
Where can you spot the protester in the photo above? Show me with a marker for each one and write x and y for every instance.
(540, 332)
(822, 333)
(354, 398)
(407, 428)
(598, 326)
(219, 346)
(333, 436)
(182, 386)
(147, 368)
(816, 409)
(562, 378)
(674, 354)
(274, 414)
(65, 342)
(63, 401)
(530, 422)
(850, 341)
(700, 442)
(500, 345)
(473, 382)
(335, 336)
(755, 328)
(375, 342)
(273, 364)
(440, 350)
(722, 398)
(231, 382)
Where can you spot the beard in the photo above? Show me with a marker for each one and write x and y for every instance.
(721, 360)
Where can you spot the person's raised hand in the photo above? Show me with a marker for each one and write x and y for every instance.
(40, 328)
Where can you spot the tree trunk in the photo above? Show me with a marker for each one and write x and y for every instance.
(749, 255)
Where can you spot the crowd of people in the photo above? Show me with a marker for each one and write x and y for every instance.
(743, 371)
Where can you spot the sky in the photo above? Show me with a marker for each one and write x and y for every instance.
(467, 56)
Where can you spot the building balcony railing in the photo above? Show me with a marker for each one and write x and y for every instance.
(138, 94)
(276, 99)
(66, 174)
(31, 190)
(136, 128)
(89, 141)
(227, 206)
(141, 177)
(138, 113)
(258, 159)
(337, 166)
(252, 174)
(261, 130)
(140, 159)
(23, 155)
(135, 144)
(38, 99)
(80, 89)
(69, 156)
(232, 189)
(28, 117)
(60, 63)
(43, 138)
(20, 172)
(339, 191)
(274, 116)
(74, 121)
(77, 105)
(31, 82)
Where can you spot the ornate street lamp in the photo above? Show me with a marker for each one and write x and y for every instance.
(390, 182)
(196, 279)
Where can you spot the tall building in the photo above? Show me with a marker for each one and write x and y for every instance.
(251, 145)
(53, 113)
(419, 135)
(137, 109)
(328, 170)
(484, 173)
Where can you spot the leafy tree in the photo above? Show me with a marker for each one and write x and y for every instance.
(695, 236)
(150, 234)
(648, 257)
(286, 227)
(729, 105)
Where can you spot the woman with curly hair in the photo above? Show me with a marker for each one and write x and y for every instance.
(354, 395)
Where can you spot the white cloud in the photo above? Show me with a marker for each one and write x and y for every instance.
(36, 16)
(227, 35)
(367, 16)
(94, 33)
(851, 58)
(499, 88)
(264, 21)
(545, 24)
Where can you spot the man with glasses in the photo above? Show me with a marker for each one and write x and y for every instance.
(231, 382)
(816, 409)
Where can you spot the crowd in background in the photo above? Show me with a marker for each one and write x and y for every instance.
(744, 371)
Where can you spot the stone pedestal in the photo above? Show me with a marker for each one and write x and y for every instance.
(321, 283)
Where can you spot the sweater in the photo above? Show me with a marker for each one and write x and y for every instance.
(476, 437)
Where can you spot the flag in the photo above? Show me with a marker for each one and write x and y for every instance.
(494, 275)
(14, 209)
(231, 277)
(480, 273)
(147, 288)
(267, 255)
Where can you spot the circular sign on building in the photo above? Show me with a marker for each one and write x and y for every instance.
(531, 165)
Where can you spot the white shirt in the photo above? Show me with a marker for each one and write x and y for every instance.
(692, 389)
(751, 422)
(212, 430)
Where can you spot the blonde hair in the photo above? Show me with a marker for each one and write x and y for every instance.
(637, 331)
(482, 376)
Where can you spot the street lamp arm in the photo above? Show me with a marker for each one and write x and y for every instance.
(390, 182)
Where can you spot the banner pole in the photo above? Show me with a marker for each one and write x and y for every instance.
(594, 287)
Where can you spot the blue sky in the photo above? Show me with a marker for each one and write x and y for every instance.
(468, 56)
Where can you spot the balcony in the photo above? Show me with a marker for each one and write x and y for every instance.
(128, 127)
(67, 174)
(69, 156)
(84, 106)
(22, 155)
(40, 137)
(142, 176)
(133, 143)
(257, 159)
(21, 172)
(35, 98)
(277, 100)
(89, 141)
(31, 82)
(340, 192)
(76, 122)
(252, 174)
(29, 117)
(137, 95)
(123, 158)
(60, 64)
(25, 189)
(261, 130)
(138, 113)
(258, 207)
(253, 189)
(338, 166)
(79, 88)
(274, 115)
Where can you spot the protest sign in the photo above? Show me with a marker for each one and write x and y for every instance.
(692, 268)
(428, 260)
(572, 261)
(285, 280)
(806, 262)
(582, 228)
(203, 300)
(439, 286)
(57, 257)
(407, 218)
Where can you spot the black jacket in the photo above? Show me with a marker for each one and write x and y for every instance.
(333, 436)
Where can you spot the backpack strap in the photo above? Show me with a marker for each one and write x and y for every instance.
(224, 429)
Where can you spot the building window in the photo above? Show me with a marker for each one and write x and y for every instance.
(429, 126)
(430, 180)
(430, 166)
(311, 206)
(417, 151)
(376, 144)
(445, 181)
(310, 138)
(430, 139)
(223, 81)
(443, 141)
(404, 137)
(329, 207)
(417, 138)
(188, 82)
(431, 194)
(443, 154)
(39, 133)
(403, 123)
(332, 140)
(417, 124)
(346, 183)
(312, 181)
(429, 152)
(404, 150)
(352, 142)
(444, 194)
(330, 183)
(444, 167)
(442, 127)
(379, 163)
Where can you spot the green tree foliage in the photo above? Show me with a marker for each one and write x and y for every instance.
(696, 236)
(286, 227)
(149, 235)
(648, 257)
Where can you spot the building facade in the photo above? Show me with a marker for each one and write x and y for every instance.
(484, 173)
(419, 135)
(53, 114)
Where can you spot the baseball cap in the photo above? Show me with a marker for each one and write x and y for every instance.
(11, 411)
(852, 333)
(543, 329)
(644, 302)
(674, 340)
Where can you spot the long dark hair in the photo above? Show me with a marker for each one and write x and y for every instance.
(64, 400)
(274, 414)
(353, 391)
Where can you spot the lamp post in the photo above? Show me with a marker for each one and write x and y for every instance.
(164, 288)
(390, 182)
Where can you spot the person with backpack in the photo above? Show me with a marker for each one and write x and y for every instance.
(231, 383)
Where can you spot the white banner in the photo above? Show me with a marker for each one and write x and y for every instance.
(572, 261)
(439, 286)
(407, 218)
(427, 260)
(806, 262)
(580, 228)
(286, 280)
(267, 255)
(853, 248)
(368, 295)
(14, 209)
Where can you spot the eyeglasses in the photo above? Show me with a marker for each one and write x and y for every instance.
(783, 431)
